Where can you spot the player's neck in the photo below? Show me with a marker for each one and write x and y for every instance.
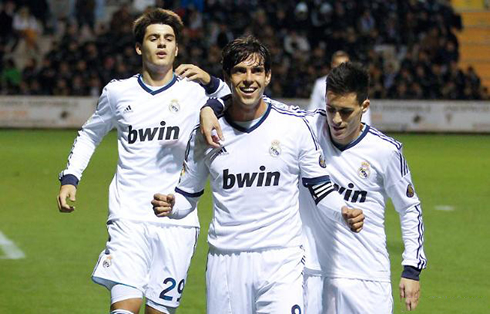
(239, 112)
(157, 78)
(350, 139)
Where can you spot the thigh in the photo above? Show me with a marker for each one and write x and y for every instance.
(280, 288)
(126, 258)
(343, 295)
(172, 247)
(229, 283)
(313, 285)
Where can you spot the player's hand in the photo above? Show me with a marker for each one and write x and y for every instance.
(163, 204)
(210, 127)
(353, 217)
(67, 191)
(193, 73)
(410, 291)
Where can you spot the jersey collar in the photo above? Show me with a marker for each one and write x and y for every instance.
(354, 142)
(157, 91)
(248, 130)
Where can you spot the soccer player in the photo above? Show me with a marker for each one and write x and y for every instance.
(255, 260)
(317, 98)
(154, 113)
(347, 272)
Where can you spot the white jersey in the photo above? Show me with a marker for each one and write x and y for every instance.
(366, 172)
(318, 101)
(153, 127)
(254, 179)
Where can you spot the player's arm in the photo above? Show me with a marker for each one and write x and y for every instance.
(164, 204)
(317, 181)
(91, 134)
(331, 203)
(210, 127)
(399, 187)
(213, 86)
(193, 178)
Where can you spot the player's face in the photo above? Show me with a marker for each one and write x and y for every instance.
(248, 80)
(159, 48)
(344, 116)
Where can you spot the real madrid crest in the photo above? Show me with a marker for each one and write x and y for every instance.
(275, 149)
(174, 106)
(107, 262)
(365, 170)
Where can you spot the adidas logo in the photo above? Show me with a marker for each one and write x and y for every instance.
(128, 109)
(222, 151)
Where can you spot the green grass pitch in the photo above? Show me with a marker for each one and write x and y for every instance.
(61, 249)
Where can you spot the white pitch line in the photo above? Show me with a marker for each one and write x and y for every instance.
(446, 208)
(11, 250)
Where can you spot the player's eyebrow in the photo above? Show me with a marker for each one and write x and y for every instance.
(165, 35)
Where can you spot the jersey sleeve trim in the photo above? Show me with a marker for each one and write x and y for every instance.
(388, 139)
(420, 240)
(187, 194)
(212, 86)
(411, 272)
(217, 105)
(403, 164)
(68, 179)
(313, 137)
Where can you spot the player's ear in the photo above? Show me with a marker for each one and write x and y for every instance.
(137, 47)
(268, 76)
(176, 50)
(365, 105)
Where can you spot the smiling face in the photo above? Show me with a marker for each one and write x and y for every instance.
(248, 80)
(158, 48)
(344, 116)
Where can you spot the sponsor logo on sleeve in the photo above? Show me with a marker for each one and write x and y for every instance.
(410, 190)
(321, 161)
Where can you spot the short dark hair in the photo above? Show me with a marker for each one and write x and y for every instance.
(241, 49)
(349, 77)
(157, 16)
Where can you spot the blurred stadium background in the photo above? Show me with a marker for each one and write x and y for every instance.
(430, 64)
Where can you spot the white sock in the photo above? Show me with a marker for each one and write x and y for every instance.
(121, 312)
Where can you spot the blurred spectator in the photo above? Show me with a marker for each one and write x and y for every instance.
(121, 17)
(85, 13)
(40, 10)
(409, 46)
(30, 70)
(27, 28)
(10, 77)
(7, 10)
(293, 42)
(140, 5)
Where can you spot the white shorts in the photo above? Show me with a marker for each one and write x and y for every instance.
(266, 282)
(325, 295)
(151, 258)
